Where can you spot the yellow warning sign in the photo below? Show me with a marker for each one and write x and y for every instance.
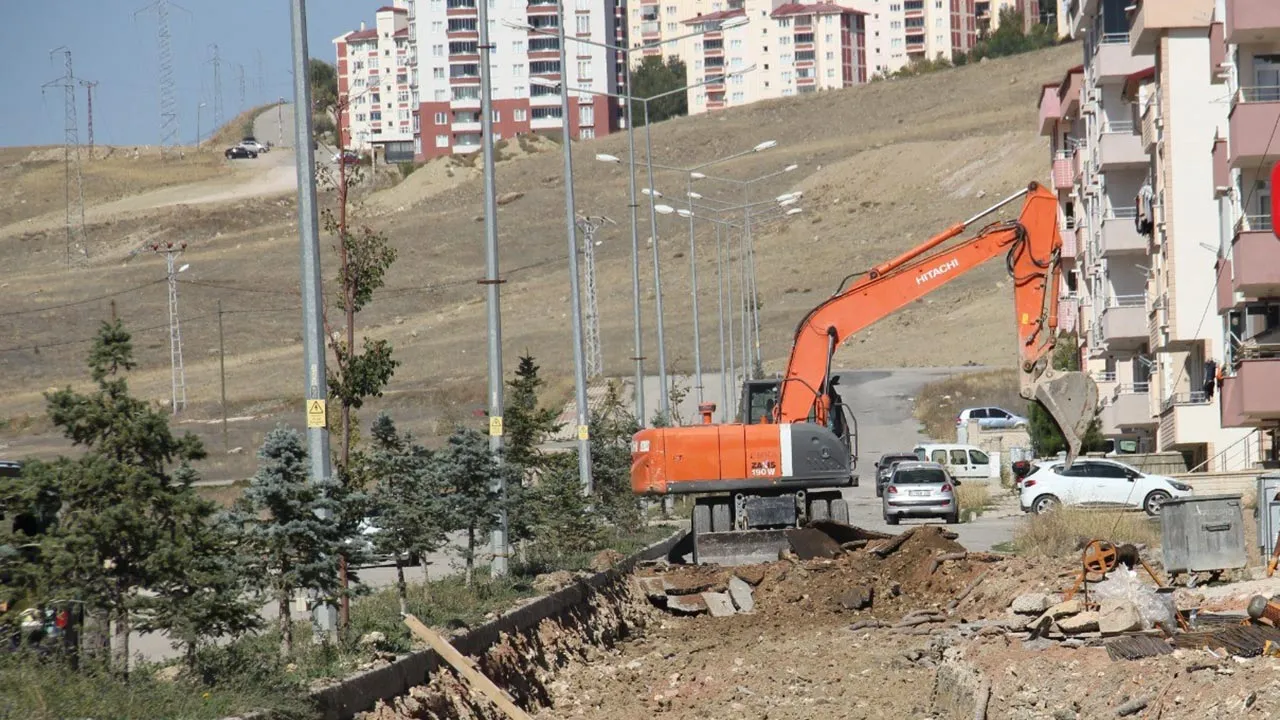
(582, 432)
(315, 414)
(495, 426)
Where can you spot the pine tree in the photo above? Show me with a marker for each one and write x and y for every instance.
(466, 469)
(410, 507)
(1047, 439)
(566, 521)
(612, 429)
(525, 424)
(281, 529)
(121, 519)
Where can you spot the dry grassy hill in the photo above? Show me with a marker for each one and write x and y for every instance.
(882, 167)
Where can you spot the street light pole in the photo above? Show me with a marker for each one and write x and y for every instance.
(575, 296)
(663, 394)
(693, 291)
(724, 381)
(498, 537)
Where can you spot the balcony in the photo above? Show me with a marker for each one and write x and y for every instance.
(1113, 59)
(1050, 109)
(1068, 314)
(1064, 175)
(1124, 323)
(1120, 147)
(1069, 246)
(1253, 118)
(1221, 168)
(1252, 21)
(1184, 418)
(1255, 258)
(1150, 124)
(1128, 408)
(1069, 95)
(1223, 289)
(1119, 234)
(1155, 17)
(1251, 398)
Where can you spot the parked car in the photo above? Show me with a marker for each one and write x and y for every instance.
(347, 158)
(920, 489)
(967, 462)
(1095, 482)
(990, 418)
(884, 468)
(239, 152)
(253, 145)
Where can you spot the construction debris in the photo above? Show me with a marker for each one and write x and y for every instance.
(466, 668)
(740, 593)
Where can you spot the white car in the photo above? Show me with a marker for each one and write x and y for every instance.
(254, 146)
(990, 417)
(1093, 482)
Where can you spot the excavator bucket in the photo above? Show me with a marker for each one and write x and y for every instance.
(1071, 398)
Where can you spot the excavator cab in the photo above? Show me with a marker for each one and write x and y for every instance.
(759, 397)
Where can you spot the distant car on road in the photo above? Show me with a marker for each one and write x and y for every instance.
(240, 152)
(920, 489)
(347, 158)
(884, 468)
(990, 418)
(1097, 483)
(254, 146)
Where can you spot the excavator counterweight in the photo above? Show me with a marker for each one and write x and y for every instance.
(794, 449)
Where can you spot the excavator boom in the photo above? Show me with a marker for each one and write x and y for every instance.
(787, 469)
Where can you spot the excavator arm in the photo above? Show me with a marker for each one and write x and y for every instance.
(1031, 246)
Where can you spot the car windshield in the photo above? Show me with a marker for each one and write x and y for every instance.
(919, 476)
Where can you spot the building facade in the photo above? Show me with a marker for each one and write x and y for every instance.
(795, 48)
(1245, 56)
(375, 89)
(442, 43)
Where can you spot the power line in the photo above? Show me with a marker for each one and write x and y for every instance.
(168, 86)
(86, 301)
(153, 328)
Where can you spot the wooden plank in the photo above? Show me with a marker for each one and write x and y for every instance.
(466, 668)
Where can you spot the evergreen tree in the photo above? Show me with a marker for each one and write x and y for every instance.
(612, 429)
(410, 507)
(566, 521)
(466, 469)
(281, 531)
(651, 77)
(525, 423)
(1047, 439)
(122, 522)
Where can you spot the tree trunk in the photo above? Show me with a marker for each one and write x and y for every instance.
(471, 552)
(120, 661)
(285, 623)
(401, 589)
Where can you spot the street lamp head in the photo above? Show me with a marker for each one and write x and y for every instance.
(789, 168)
(694, 196)
(543, 82)
(697, 175)
(605, 157)
(793, 211)
(735, 22)
(789, 201)
(787, 196)
(664, 209)
(684, 213)
(184, 267)
(766, 145)
(650, 191)
(517, 25)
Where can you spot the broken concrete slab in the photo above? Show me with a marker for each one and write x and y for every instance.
(718, 604)
(1030, 604)
(687, 604)
(1074, 606)
(858, 597)
(1084, 622)
(654, 588)
(751, 575)
(1118, 616)
(740, 593)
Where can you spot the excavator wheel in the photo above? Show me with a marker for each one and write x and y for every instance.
(819, 509)
(840, 511)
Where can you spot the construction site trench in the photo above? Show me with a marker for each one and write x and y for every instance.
(861, 624)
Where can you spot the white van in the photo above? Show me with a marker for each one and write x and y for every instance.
(966, 462)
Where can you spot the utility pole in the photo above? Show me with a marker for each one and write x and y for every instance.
(594, 352)
(492, 283)
(75, 230)
(177, 371)
(168, 86)
(240, 81)
(262, 74)
(216, 61)
(314, 381)
(89, 85)
(222, 375)
(280, 123)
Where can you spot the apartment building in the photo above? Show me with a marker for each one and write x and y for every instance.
(795, 48)
(900, 31)
(1062, 121)
(1245, 55)
(375, 88)
(441, 57)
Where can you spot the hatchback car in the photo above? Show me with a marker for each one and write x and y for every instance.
(990, 418)
(1099, 483)
(920, 489)
(238, 152)
(884, 468)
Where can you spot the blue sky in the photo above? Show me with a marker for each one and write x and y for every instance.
(120, 52)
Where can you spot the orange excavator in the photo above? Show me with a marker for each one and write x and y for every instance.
(784, 463)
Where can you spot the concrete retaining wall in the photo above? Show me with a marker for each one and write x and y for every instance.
(360, 692)
(1241, 483)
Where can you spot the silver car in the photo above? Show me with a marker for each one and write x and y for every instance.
(920, 489)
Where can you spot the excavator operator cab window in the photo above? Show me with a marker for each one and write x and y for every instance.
(761, 397)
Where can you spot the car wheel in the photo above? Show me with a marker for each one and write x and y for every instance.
(1044, 504)
(953, 518)
(879, 491)
(1154, 502)
(892, 519)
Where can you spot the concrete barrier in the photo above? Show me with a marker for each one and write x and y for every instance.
(1244, 484)
(360, 692)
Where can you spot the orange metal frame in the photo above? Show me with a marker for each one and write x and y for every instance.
(1030, 245)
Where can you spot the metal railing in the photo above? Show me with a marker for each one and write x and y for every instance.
(1137, 388)
(1241, 454)
(1260, 222)
(1115, 39)
(1121, 213)
(1258, 94)
(1103, 376)
(1196, 397)
(1120, 301)
(1118, 127)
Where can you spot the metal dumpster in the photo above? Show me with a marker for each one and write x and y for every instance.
(1203, 534)
(1267, 512)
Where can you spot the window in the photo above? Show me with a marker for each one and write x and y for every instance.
(739, 97)
(977, 457)
(497, 116)
(738, 79)
(671, 27)
(360, 117)
(437, 73)
(735, 44)
(784, 40)
(373, 63)
(831, 73)
(519, 90)
(586, 115)
(402, 96)
(584, 68)
(376, 115)
(358, 83)
(785, 59)
(545, 113)
(440, 95)
(831, 55)
(521, 115)
(544, 67)
(402, 116)
(735, 62)
(441, 119)
(584, 24)
(517, 70)
(829, 38)
(462, 24)
(939, 456)
(586, 133)
(359, 65)
(442, 141)
(697, 64)
(437, 50)
(417, 122)
(672, 9)
(517, 47)
(958, 457)
(784, 22)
